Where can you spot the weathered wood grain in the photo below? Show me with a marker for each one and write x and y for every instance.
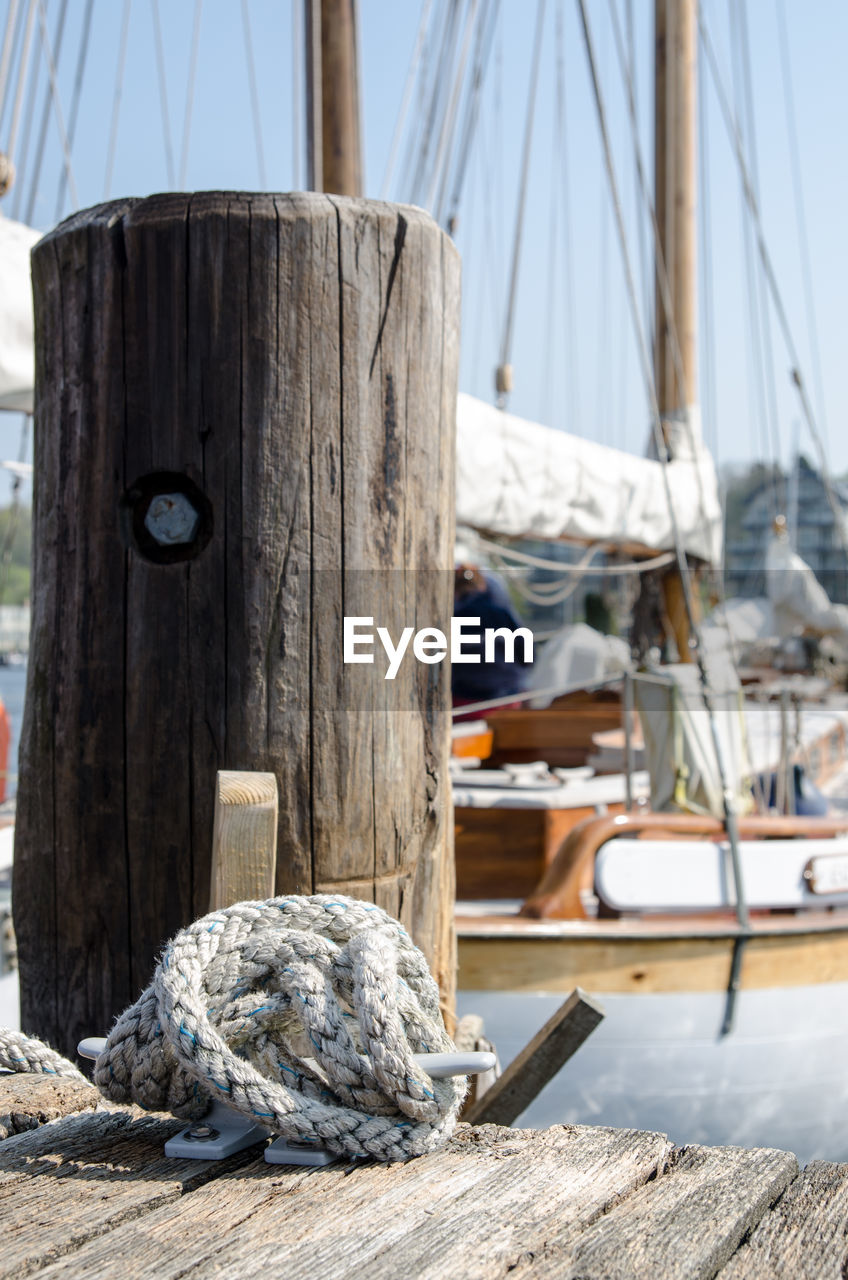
(244, 838)
(94, 1194)
(27, 1101)
(538, 1062)
(69, 1182)
(686, 1223)
(804, 1236)
(72, 790)
(471, 1210)
(291, 362)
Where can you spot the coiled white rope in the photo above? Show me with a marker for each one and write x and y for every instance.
(26, 1054)
(301, 1013)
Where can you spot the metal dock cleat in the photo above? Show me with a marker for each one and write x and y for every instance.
(222, 1131)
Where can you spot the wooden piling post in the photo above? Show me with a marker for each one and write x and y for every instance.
(244, 432)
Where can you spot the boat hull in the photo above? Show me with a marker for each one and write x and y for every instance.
(661, 1059)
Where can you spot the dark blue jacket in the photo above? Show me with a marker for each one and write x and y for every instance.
(498, 679)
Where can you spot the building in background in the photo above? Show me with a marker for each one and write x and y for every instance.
(803, 499)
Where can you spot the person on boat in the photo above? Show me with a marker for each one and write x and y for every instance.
(481, 595)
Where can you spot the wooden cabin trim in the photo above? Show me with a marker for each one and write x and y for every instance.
(557, 895)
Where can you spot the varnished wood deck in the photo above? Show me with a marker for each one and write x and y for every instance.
(93, 1194)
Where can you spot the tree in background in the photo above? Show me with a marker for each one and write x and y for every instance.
(15, 554)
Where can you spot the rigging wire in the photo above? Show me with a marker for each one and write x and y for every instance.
(506, 341)
(477, 252)
(482, 311)
(499, 135)
(696, 641)
(45, 119)
(57, 105)
(192, 70)
(800, 214)
(619, 403)
(26, 26)
(603, 307)
(9, 38)
(116, 99)
(777, 299)
(75, 101)
(486, 34)
(546, 381)
(490, 277)
(633, 88)
(572, 363)
(163, 93)
(426, 61)
(757, 407)
(436, 100)
(400, 123)
(439, 172)
(757, 298)
(768, 344)
(23, 73)
(604, 340)
(254, 95)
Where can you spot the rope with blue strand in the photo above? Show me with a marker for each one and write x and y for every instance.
(301, 1013)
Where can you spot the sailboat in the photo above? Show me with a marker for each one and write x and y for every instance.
(714, 999)
(716, 940)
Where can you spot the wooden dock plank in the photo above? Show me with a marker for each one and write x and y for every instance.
(684, 1224)
(416, 1219)
(804, 1237)
(27, 1101)
(94, 1193)
(67, 1182)
(577, 1174)
(424, 1218)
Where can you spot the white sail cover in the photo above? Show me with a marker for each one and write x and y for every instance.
(17, 358)
(520, 479)
(800, 602)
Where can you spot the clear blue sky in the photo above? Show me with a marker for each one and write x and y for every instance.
(574, 355)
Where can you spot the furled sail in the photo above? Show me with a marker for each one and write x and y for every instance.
(17, 362)
(519, 479)
(800, 602)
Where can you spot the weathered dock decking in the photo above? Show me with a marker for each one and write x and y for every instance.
(92, 1193)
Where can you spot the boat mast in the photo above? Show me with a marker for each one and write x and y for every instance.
(675, 193)
(333, 146)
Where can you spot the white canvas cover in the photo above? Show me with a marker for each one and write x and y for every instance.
(17, 355)
(679, 747)
(800, 602)
(523, 480)
(576, 655)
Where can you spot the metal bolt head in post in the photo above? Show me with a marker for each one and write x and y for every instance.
(171, 519)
